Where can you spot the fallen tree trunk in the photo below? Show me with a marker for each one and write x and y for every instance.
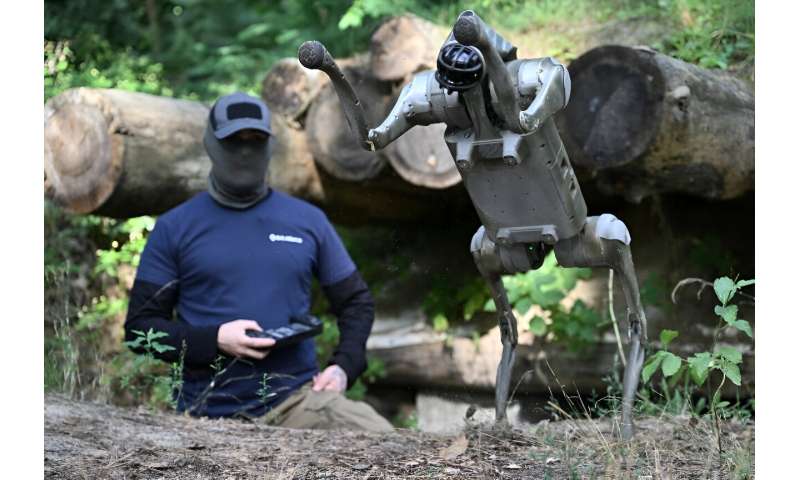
(647, 123)
(123, 154)
(288, 88)
(423, 359)
(404, 45)
(388, 199)
(422, 158)
(333, 143)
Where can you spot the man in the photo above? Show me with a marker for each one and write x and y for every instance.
(241, 257)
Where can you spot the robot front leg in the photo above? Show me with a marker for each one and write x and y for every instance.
(605, 242)
(491, 266)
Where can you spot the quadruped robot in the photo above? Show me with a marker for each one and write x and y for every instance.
(500, 131)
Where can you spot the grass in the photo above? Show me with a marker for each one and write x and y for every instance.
(710, 33)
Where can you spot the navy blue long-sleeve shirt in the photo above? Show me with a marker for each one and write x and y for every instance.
(210, 265)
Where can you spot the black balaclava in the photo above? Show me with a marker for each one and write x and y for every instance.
(238, 169)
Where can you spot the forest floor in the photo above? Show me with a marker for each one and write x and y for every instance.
(92, 440)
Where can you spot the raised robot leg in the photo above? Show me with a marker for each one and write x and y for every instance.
(605, 242)
(493, 261)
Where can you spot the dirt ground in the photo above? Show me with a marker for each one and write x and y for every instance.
(89, 440)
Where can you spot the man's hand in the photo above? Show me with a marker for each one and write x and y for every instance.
(232, 339)
(332, 378)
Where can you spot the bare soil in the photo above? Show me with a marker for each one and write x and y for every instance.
(91, 440)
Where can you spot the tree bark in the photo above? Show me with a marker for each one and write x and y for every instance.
(288, 88)
(123, 154)
(333, 143)
(404, 45)
(645, 123)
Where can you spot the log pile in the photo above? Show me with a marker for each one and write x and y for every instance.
(638, 123)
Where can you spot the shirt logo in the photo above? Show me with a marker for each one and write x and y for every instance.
(273, 237)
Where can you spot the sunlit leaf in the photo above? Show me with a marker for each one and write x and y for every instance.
(743, 326)
(724, 288)
(670, 365)
(538, 326)
(731, 354)
(727, 313)
(667, 336)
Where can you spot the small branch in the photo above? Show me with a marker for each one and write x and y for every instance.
(703, 284)
(686, 281)
(614, 317)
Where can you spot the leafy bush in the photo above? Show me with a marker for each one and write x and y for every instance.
(577, 327)
(724, 359)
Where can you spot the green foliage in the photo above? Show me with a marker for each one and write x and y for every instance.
(655, 291)
(89, 261)
(451, 299)
(362, 9)
(121, 69)
(195, 49)
(724, 359)
(713, 34)
(200, 49)
(710, 255)
(577, 327)
(102, 309)
(544, 287)
(129, 249)
(264, 391)
(440, 323)
(144, 377)
(149, 342)
(406, 420)
(375, 369)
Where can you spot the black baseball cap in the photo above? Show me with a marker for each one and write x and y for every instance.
(238, 111)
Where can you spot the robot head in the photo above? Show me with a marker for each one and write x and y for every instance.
(459, 67)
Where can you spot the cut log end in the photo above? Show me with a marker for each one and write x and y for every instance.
(333, 143)
(646, 123)
(421, 157)
(288, 88)
(83, 160)
(614, 108)
(404, 45)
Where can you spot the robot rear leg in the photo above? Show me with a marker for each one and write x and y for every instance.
(605, 242)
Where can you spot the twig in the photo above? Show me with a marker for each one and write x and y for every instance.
(521, 378)
(703, 284)
(614, 317)
(687, 281)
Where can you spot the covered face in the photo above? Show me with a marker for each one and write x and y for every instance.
(237, 139)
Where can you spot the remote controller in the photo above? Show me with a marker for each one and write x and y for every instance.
(299, 328)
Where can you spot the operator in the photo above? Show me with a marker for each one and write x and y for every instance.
(240, 257)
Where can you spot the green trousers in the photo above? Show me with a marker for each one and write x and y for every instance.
(325, 411)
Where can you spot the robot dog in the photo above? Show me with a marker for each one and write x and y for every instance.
(500, 131)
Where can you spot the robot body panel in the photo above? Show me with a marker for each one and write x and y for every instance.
(537, 200)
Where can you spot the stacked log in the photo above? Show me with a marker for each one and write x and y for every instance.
(638, 123)
(124, 154)
(644, 123)
(404, 45)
